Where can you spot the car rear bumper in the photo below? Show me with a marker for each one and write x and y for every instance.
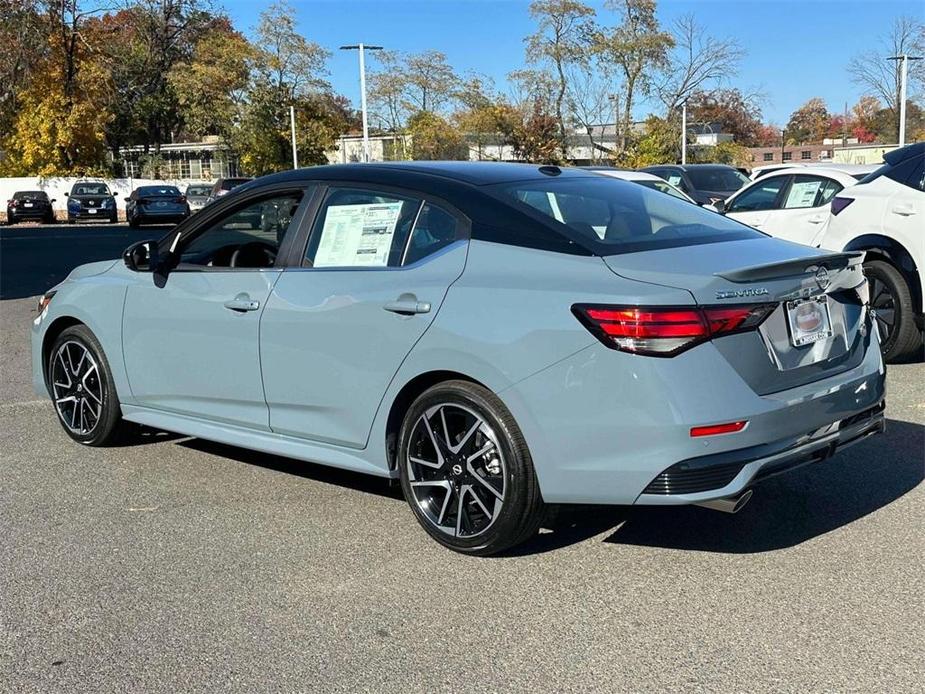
(603, 426)
(728, 474)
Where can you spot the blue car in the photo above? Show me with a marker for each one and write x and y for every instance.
(501, 338)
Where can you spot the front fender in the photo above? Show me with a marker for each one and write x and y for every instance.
(97, 301)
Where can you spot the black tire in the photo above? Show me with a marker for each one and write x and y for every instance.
(891, 298)
(114, 219)
(134, 223)
(521, 508)
(107, 426)
(50, 219)
(70, 220)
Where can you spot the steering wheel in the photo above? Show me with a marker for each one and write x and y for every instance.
(253, 254)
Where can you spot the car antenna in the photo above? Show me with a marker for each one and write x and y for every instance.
(550, 170)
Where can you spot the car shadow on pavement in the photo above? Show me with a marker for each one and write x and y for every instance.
(370, 484)
(784, 511)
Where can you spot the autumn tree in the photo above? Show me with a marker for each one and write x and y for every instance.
(637, 47)
(211, 86)
(737, 113)
(23, 44)
(809, 123)
(880, 77)
(58, 128)
(698, 63)
(561, 41)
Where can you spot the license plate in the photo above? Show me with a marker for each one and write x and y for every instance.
(809, 321)
(27, 204)
(92, 211)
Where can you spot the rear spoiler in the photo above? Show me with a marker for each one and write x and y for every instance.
(793, 268)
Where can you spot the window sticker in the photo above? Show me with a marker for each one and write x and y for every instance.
(357, 235)
(802, 194)
(674, 179)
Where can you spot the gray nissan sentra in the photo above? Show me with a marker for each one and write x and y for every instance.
(498, 337)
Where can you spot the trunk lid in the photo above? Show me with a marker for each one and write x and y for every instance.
(767, 271)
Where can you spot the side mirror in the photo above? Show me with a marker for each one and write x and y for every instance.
(67, 195)
(719, 206)
(141, 256)
(115, 195)
(54, 200)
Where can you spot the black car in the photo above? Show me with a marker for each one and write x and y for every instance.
(156, 205)
(705, 183)
(223, 186)
(29, 204)
(91, 200)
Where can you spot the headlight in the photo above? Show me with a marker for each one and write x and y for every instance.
(45, 299)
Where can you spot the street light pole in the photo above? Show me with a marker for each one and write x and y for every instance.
(903, 76)
(362, 48)
(295, 152)
(684, 133)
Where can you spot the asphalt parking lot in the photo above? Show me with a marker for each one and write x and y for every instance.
(174, 564)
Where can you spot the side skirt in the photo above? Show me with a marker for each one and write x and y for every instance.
(266, 442)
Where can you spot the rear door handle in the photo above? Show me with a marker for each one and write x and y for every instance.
(407, 305)
(242, 303)
(816, 219)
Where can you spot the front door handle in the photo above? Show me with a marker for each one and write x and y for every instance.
(904, 210)
(242, 303)
(407, 305)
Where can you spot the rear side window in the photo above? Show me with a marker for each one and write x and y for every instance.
(910, 172)
(434, 230)
(810, 191)
(610, 216)
(719, 179)
(761, 196)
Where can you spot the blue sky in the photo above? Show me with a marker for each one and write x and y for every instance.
(796, 49)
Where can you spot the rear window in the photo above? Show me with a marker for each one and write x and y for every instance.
(609, 216)
(909, 172)
(30, 195)
(720, 179)
(159, 191)
(198, 190)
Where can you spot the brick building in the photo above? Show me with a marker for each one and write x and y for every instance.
(790, 153)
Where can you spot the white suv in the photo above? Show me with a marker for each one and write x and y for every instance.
(884, 215)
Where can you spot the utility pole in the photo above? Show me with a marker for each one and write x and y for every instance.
(684, 132)
(295, 151)
(903, 76)
(362, 48)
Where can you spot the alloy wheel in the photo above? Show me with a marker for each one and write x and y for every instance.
(456, 470)
(77, 387)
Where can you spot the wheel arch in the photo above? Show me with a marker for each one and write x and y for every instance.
(407, 395)
(52, 332)
(885, 248)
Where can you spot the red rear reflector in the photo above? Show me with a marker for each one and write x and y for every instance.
(666, 331)
(838, 204)
(714, 429)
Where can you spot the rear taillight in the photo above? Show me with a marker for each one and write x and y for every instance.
(838, 204)
(662, 331)
(13, 203)
(181, 199)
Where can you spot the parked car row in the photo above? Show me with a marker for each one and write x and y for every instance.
(94, 200)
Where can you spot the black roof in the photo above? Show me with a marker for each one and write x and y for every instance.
(478, 173)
